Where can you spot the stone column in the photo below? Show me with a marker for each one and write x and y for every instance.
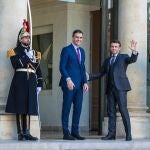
(133, 25)
(12, 14)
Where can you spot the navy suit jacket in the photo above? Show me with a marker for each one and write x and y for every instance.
(119, 71)
(70, 67)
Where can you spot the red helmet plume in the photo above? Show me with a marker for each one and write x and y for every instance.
(26, 25)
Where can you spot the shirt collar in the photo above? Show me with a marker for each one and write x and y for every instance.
(75, 46)
(115, 55)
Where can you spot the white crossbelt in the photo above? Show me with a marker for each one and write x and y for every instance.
(26, 70)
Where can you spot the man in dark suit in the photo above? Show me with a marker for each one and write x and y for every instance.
(73, 82)
(117, 86)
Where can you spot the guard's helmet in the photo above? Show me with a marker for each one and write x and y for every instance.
(25, 30)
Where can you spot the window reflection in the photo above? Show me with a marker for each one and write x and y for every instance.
(44, 44)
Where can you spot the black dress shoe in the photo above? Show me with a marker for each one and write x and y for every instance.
(78, 137)
(68, 137)
(20, 137)
(109, 137)
(30, 137)
(128, 138)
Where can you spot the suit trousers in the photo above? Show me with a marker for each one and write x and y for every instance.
(115, 97)
(70, 97)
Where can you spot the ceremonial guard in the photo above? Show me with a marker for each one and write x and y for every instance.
(26, 83)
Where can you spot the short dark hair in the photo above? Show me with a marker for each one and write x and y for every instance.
(76, 31)
(116, 41)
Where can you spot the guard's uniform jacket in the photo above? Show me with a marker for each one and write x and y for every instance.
(22, 98)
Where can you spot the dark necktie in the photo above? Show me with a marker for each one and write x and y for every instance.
(112, 60)
(78, 55)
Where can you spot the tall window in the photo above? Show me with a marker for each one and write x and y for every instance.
(43, 42)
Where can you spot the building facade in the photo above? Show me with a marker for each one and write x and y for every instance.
(52, 24)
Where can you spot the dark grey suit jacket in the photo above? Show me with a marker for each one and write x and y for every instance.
(119, 71)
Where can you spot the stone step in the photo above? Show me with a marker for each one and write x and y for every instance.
(88, 144)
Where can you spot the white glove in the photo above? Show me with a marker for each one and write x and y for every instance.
(29, 53)
(38, 90)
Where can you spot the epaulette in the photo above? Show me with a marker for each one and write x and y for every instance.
(11, 53)
(38, 55)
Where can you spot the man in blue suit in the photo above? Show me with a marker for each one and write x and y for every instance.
(73, 82)
(117, 85)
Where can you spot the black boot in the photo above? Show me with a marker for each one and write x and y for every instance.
(19, 127)
(26, 128)
(20, 137)
(29, 137)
